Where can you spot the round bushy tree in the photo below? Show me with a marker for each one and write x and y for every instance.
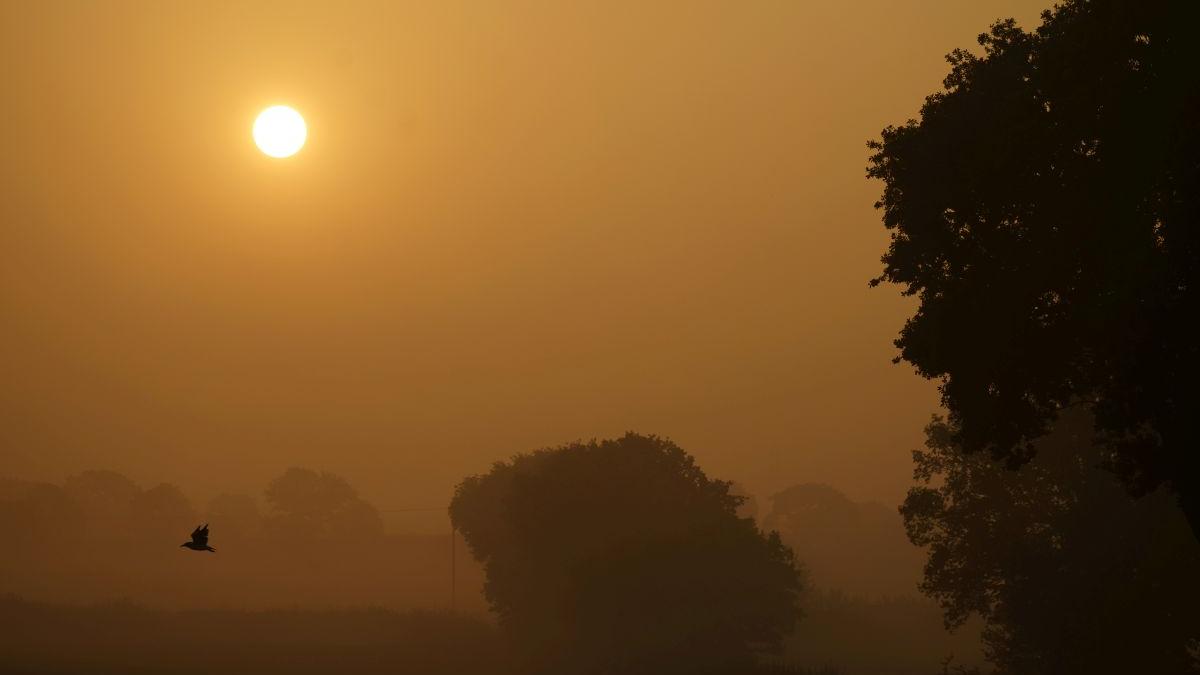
(622, 555)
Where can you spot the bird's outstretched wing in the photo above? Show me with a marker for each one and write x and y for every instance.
(200, 535)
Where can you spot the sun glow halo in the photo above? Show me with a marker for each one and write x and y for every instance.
(279, 131)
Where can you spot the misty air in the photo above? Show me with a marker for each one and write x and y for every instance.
(599, 338)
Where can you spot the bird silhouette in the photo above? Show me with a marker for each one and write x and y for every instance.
(199, 540)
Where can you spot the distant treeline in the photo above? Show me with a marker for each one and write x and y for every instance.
(101, 504)
(99, 537)
(308, 522)
(102, 548)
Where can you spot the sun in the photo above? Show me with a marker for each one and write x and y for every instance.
(279, 131)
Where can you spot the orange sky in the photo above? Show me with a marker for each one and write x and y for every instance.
(514, 225)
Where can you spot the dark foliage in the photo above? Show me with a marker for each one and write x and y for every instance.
(880, 636)
(1045, 211)
(622, 556)
(1070, 573)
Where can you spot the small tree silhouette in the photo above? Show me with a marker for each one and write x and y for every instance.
(308, 504)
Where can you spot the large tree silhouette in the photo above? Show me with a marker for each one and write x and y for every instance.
(1070, 573)
(622, 556)
(1045, 211)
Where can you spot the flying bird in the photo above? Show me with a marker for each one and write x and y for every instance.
(199, 540)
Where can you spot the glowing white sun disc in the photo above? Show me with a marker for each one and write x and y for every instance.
(280, 131)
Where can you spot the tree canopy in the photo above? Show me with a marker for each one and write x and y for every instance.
(163, 511)
(623, 556)
(1070, 573)
(322, 505)
(1044, 211)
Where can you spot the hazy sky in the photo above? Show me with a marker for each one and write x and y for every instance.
(514, 225)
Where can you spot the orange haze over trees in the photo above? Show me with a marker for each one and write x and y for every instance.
(513, 224)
